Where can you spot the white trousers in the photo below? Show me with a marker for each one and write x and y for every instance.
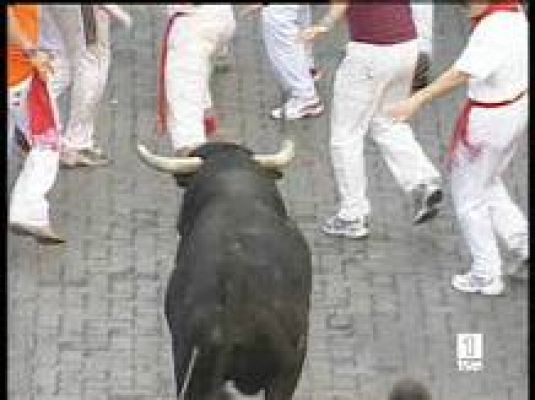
(52, 40)
(422, 14)
(370, 78)
(28, 203)
(17, 114)
(193, 38)
(89, 67)
(290, 59)
(481, 201)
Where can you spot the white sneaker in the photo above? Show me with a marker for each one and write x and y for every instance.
(81, 158)
(336, 226)
(297, 109)
(470, 283)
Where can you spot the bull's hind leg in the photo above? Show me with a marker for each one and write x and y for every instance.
(207, 378)
(181, 358)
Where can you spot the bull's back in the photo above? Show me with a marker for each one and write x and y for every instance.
(252, 247)
(238, 262)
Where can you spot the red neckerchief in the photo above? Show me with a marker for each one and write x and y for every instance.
(510, 6)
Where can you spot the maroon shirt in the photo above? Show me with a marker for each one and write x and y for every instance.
(380, 22)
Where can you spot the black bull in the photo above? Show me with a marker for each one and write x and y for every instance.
(237, 303)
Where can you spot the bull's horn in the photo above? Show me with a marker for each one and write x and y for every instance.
(277, 160)
(172, 165)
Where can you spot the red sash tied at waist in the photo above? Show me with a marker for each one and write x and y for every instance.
(42, 118)
(461, 131)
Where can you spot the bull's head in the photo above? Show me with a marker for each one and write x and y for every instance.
(191, 164)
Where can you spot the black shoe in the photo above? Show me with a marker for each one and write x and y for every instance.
(95, 155)
(42, 234)
(21, 141)
(421, 73)
(426, 201)
(316, 74)
(519, 269)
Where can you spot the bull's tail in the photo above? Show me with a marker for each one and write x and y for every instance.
(189, 371)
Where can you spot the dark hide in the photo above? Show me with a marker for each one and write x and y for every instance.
(240, 290)
(409, 389)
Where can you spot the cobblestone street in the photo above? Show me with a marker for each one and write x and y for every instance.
(86, 322)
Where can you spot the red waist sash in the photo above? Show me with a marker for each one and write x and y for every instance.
(460, 134)
(42, 118)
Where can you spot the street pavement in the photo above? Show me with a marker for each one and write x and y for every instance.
(85, 320)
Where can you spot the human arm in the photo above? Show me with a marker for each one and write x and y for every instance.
(15, 34)
(444, 84)
(336, 10)
(251, 9)
(39, 59)
(478, 60)
(119, 14)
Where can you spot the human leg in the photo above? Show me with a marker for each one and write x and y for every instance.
(52, 40)
(90, 71)
(187, 85)
(480, 199)
(355, 99)
(405, 158)
(471, 202)
(290, 61)
(29, 208)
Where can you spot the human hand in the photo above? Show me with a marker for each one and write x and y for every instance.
(404, 110)
(119, 14)
(250, 9)
(312, 32)
(127, 21)
(42, 62)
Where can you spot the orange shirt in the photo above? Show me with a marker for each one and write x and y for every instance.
(18, 65)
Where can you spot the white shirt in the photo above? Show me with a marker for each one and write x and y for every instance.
(422, 14)
(496, 57)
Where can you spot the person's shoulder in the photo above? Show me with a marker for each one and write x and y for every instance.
(504, 20)
(499, 27)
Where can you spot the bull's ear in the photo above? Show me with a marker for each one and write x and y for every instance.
(183, 181)
(273, 173)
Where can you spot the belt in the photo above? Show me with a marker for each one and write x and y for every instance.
(162, 95)
(460, 133)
